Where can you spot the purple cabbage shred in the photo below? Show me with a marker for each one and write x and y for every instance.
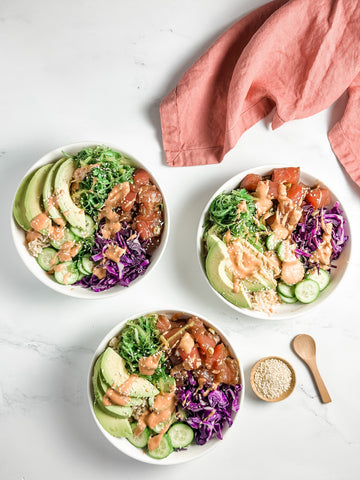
(133, 262)
(308, 233)
(208, 414)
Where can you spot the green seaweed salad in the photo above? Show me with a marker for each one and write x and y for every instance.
(235, 211)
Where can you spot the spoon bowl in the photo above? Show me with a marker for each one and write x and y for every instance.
(305, 347)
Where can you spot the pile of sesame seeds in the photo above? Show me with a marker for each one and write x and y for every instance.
(272, 378)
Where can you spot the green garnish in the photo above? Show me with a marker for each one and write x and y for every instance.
(140, 338)
(225, 214)
(114, 168)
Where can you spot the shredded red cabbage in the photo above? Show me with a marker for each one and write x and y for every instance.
(308, 233)
(208, 414)
(132, 263)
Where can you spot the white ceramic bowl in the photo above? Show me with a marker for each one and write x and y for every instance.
(283, 311)
(73, 290)
(193, 451)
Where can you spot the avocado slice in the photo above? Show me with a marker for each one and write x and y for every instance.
(118, 411)
(118, 427)
(73, 214)
(19, 205)
(49, 190)
(221, 279)
(114, 372)
(33, 195)
(211, 238)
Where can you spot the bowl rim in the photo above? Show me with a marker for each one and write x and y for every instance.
(73, 290)
(134, 452)
(235, 180)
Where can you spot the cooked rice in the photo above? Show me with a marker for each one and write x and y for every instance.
(264, 301)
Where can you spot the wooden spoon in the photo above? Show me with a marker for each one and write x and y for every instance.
(305, 347)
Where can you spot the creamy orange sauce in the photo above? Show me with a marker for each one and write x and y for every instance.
(112, 397)
(241, 208)
(292, 272)
(60, 221)
(186, 343)
(81, 172)
(154, 441)
(323, 253)
(66, 278)
(67, 251)
(163, 408)
(114, 252)
(287, 215)
(56, 232)
(53, 201)
(263, 200)
(119, 395)
(112, 219)
(141, 425)
(99, 271)
(242, 262)
(32, 235)
(273, 262)
(125, 387)
(148, 365)
(40, 222)
(57, 268)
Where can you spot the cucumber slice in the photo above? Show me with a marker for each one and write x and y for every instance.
(163, 450)
(287, 299)
(67, 237)
(286, 290)
(87, 264)
(140, 441)
(90, 227)
(181, 435)
(272, 242)
(83, 272)
(68, 275)
(281, 249)
(307, 291)
(322, 277)
(160, 426)
(47, 258)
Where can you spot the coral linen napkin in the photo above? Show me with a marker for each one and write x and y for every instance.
(298, 56)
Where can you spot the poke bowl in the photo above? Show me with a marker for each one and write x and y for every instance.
(89, 220)
(273, 242)
(164, 387)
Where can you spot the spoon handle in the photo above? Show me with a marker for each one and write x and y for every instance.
(324, 394)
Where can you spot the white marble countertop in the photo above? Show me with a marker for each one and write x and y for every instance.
(87, 70)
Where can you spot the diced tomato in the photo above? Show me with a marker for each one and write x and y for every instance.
(148, 226)
(286, 175)
(205, 342)
(128, 202)
(149, 198)
(141, 177)
(273, 191)
(297, 193)
(193, 360)
(173, 336)
(163, 324)
(228, 373)
(134, 188)
(196, 326)
(318, 197)
(215, 360)
(250, 182)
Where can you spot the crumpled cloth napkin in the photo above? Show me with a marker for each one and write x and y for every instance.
(296, 56)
